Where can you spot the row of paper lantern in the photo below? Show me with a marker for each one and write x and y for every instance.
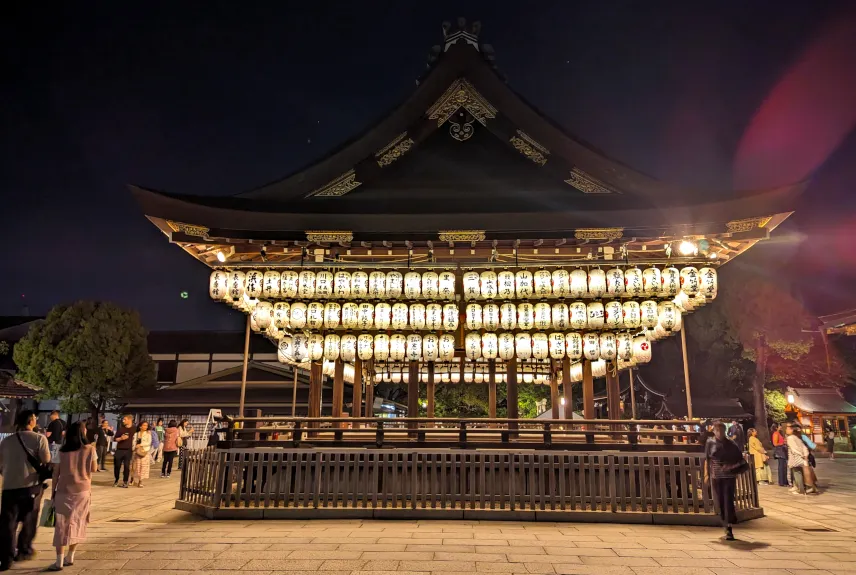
(350, 315)
(599, 368)
(523, 284)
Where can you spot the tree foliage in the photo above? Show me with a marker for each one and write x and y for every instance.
(776, 403)
(88, 355)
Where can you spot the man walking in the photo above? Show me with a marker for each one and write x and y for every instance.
(22, 489)
(124, 449)
(102, 444)
(55, 432)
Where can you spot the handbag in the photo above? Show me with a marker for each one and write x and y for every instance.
(48, 516)
(179, 442)
(140, 451)
(735, 468)
(44, 470)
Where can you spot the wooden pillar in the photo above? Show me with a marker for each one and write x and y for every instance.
(356, 408)
(430, 390)
(511, 396)
(588, 391)
(686, 371)
(294, 394)
(338, 389)
(316, 376)
(413, 393)
(244, 370)
(369, 401)
(632, 394)
(554, 390)
(567, 388)
(491, 390)
(613, 393)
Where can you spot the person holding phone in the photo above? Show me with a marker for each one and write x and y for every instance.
(124, 446)
(141, 458)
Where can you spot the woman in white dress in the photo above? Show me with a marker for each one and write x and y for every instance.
(141, 456)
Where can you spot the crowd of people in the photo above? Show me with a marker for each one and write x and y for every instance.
(67, 456)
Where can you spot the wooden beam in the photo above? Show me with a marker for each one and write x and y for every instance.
(491, 390)
(511, 397)
(567, 388)
(244, 370)
(613, 394)
(588, 391)
(686, 371)
(413, 393)
(554, 390)
(356, 408)
(369, 400)
(430, 390)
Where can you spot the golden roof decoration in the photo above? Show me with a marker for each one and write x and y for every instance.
(461, 94)
(329, 236)
(748, 224)
(462, 235)
(599, 233)
(394, 150)
(527, 146)
(188, 229)
(587, 183)
(340, 186)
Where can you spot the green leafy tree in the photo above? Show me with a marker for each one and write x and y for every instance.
(88, 355)
(528, 396)
(776, 402)
(4, 348)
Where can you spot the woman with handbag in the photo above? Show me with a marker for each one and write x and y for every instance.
(185, 432)
(170, 447)
(141, 458)
(798, 453)
(759, 455)
(72, 487)
(780, 452)
(723, 463)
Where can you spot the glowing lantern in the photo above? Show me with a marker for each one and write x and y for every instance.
(315, 315)
(557, 345)
(288, 282)
(632, 314)
(396, 377)
(708, 282)
(641, 349)
(490, 346)
(431, 347)
(488, 287)
(300, 348)
(542, 282)
(332, 347)
(218, 285)
(667, 313)
(298, 315)
(348, 346)
(506, 345)
(447, 347)
(678, 319)
(472, 345)
(633, 284)
(700, 299)
(315, 342)
(650, 314)
(382, 315)
(596, 282)
(412, 285)
(306, 284)
(579, 283)
(561, 283)
(394, 285)
(282, 315)
(579, 315)
(658, 333)
(577, 372)
(430, 285)
(490, 316)
(263, 315)
(253, 325)
(400, 313)
(450, 317)
(651, 281)
(341, 285)
(523, 345)
(591, 346)
(414, 347)
(505, 283)
(471, 281)
(607, 346)
(254, 284)
(446, 284)
(542, 315)
(525, 315)
(474, 316)
(417, 316)
(508, 316)
(236, 285)
(270, 288)
(690, 280)
(613, 314)
(574, 345)
(365, 316)
(377, 284)
(523, 284)
(598, 368)
(595, 315)
(324, 285)
(527, 377)
(381, 347)
(615, 281)
(684, 302)
(559, 316)
(365, 346)
(397, 347)
(285, 350)
(540, 345)
(671, 279)
(350, 315)
(359, 284)
(433, 316)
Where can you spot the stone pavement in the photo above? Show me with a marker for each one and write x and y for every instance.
(137, 531)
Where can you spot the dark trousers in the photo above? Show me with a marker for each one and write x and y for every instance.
(122, 458)
(723, 498)
(783, 471)
(101, 452)
(18, 506)
(168, 456)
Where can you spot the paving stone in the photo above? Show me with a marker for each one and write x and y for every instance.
(443, 556)
(283, 564)
(629, 561)
(432, 566)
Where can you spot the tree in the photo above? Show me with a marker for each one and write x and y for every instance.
(776, 402)
(88, 355)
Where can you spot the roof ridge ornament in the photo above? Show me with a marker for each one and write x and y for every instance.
(464, 34)
(526, 145)
(461, 94)
(338, 187)
(587, 184)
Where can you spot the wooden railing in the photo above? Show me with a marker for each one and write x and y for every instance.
(526, 484)
(573, 434)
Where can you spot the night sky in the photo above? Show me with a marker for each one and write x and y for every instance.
(216, 98)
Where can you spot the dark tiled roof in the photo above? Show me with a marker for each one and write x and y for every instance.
(16, 389)
(822, 401)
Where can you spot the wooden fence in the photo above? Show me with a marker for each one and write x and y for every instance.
(549, 485)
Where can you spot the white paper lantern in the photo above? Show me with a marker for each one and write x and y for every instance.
(641, 349)
(577, 372)
(490, 346)
(359, 285)
(332, 347)
(671, 282)
(412, 285)
(595, 315)
(613, 314)
(508, 316)
(651, 281)
(471, 282)
(596, 282)
(542, 281)
(285, 350)
(684, 302)
(505, 343)
(658, 333)
(447, 347)
(540, 345)
(282, 315)
(505, 284)
(298, 315)
(381, 347)
(446, 285)
(451, 315)
(561, 283)
(633, 283)
(306, 284)
(400, 314)
(690, 280)
(598, 368)
(542, 315)
(474, 316)
(315, 342)
(708, 282)
(300, 347)
(218, 283)
(433, 316)
(348, 346)
(377, 285)
(315, 315)
(523, 345)
(414, 347)
(350, 315)
(417, 316)
(615, 281)
(365, 316)
(394, 285)
(254, 284)
(288, 282)
(342, 284)
(490, 316)
(488, 286)
(523, 284)
(632, 314)
(667, 313)
(430, 285)
(472, 345)
(557, 345)
(559, 316)
(591, 345)
(270, 288)
(263, 315)
(608, 346)
(650, 314)
(396, 377)
(431, 347)
(579, 315)
(574, 345)
(700, 299)
(236, 285)
(678, 320)
(579, 283)
(324, 285)
(365, 346)
(397, 347)
(382, 315)
(624, 346)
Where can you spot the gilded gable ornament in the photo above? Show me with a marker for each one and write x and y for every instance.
(587, 184)
(188, 229)
(329, 236)
(394, 150)
(461, 94)
(524, 144)
(748, 224)
(340, 186)
(599, 233)
(461, 235)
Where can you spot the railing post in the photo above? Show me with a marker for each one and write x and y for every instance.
(296, 434)
(379, 433)
(548, 435)
(462, 433)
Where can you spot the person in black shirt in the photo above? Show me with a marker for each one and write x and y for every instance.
(55, 430)
(102, 443)
(722, 465)
(124, 448)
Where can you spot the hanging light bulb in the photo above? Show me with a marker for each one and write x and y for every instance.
(687, 248)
